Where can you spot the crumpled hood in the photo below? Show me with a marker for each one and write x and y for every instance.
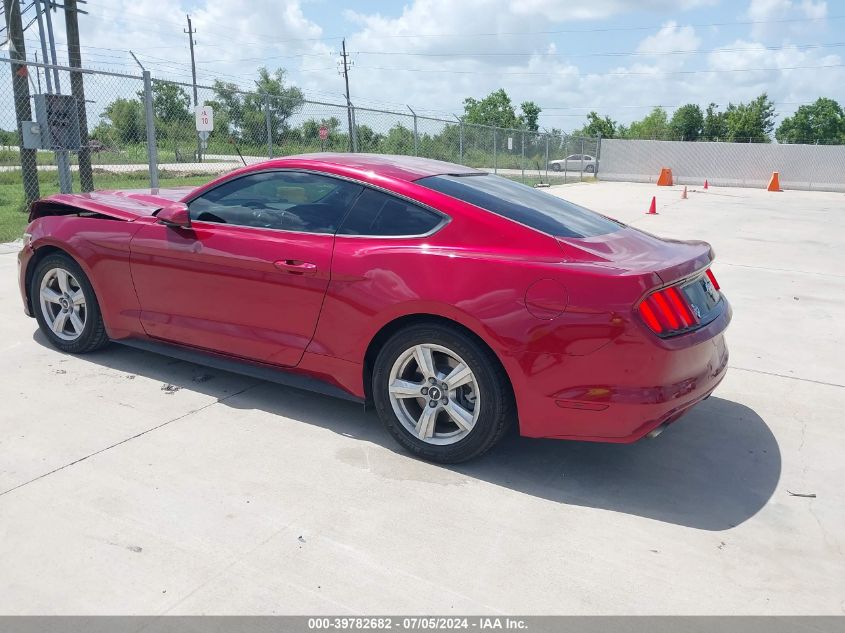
(125, 204)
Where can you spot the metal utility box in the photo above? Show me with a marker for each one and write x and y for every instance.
(31, 133)
(58, 117)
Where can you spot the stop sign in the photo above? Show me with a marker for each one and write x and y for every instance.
(324, 132)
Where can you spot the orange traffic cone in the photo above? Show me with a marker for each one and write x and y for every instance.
(652, 209)
(684, 194)
(706, 185)
(665, 179)
(774, 183)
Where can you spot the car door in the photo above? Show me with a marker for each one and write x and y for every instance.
(573, 162)
(248, 277)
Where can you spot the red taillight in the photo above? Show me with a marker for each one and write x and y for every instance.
(649, 317)
(664, 310)
(680, 306)
(668, 311)
(712, 278)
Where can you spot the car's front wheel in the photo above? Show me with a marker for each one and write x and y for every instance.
(65, 305)
(441, 394)
(555, 166)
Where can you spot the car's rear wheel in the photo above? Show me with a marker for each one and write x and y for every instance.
(590, 169)
(441, 394)
(65, 305)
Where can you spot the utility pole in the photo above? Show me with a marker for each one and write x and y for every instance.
(190, 31)
(345, 71)
(20, 87)
(62, 158)
(77, 89)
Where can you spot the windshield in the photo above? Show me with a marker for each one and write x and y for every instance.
(520, 203)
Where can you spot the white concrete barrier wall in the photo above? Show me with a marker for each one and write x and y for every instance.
(807, 167)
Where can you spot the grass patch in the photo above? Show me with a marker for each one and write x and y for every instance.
(13, 216)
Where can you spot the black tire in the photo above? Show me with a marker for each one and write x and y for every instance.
(93, 335)
(555, 166)
(497, 412)
(590, 169)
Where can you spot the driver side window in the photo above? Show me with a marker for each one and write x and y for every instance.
(289, 201)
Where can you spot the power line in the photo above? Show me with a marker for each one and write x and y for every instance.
(512, 54)
(606, 54)
(273, 38)
(546, 54)
(607, 74)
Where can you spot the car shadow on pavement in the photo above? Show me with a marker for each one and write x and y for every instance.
(712, 470)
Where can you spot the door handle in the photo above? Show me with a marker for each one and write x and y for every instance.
(296, 267)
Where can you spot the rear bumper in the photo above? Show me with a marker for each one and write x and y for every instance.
(626, 389)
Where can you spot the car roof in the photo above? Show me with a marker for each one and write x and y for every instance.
(390, 166)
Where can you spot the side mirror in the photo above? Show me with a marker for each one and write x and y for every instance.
(175, 215)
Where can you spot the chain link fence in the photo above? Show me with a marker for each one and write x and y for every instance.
(139, 130)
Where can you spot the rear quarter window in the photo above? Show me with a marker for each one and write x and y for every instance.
(379, 214)
(533, 208)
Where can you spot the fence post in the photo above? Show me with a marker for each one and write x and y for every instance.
(460, 139)
(581, 173)
(416, 136)
(495, 159)
(354, 131)
(522, 160)
(269, 124)
(598, 155)
(547, 156)
(152, 150)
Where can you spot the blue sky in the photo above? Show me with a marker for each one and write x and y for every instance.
(619, 58)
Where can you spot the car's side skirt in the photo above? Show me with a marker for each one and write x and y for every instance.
(237, 366)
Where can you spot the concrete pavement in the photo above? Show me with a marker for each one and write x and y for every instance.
(133, 483)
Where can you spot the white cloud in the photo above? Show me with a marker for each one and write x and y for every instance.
(779, 18)
(670, 37)
(800, 74)
(557, 11)
(445, 70)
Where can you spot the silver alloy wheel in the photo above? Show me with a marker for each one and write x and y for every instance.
(434, 394)
(63, 304)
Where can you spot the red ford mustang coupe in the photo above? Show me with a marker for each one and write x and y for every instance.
(454, 301)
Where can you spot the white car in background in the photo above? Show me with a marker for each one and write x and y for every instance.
(575, 162)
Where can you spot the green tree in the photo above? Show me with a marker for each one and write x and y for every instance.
(598, 125)
(530, 115)
(655, 125)
(170, 102)
(819, 122)
(751, 122)
(687, 123)
(124, 119)
(368, 139)
(495, 109)
(399, 140)
(171, 110)
(715, 124)
(247, 112)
